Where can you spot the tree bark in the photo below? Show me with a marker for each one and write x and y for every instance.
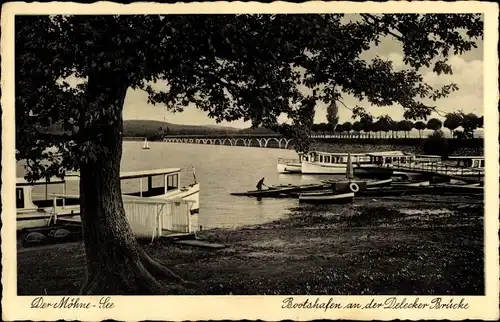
(115, 262)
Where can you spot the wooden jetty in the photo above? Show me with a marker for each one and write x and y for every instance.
(469, 175)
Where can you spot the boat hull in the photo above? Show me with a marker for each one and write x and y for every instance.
(323, 198)
(289, 168)
(283, 191)
(323, 168)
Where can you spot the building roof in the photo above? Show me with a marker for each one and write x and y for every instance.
(147, 173)
(71, 176)
(389, 153)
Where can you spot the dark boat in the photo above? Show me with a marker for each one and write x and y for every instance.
(281, 190)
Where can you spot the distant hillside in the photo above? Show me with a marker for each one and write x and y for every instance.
(258, 130)
(150, 128)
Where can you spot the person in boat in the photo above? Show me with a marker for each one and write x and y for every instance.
(260, 184)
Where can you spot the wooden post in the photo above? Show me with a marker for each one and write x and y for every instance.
(140, 187)
(54, 204)
(188, 212)
(64, 193)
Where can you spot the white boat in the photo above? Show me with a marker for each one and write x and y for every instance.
(145, 146)
(160, 185)
(35, 209)
(411, 184)
(380, 164)
(289, 165)
(329, 163)
(464, 166)
(326, 197)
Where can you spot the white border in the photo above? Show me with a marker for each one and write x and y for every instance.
(248, 307)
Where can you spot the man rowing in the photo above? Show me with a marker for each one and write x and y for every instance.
(260, 184)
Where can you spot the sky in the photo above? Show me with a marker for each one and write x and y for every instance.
(467, 74)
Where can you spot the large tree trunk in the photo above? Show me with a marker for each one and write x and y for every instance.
(115, 262)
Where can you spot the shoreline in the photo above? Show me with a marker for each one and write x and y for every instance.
(371, 247)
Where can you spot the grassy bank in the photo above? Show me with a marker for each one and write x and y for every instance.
(369, 247)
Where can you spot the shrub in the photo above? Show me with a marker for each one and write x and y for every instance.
(436, 144)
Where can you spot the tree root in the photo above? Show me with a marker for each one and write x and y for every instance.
(159, 270)
(147, 282)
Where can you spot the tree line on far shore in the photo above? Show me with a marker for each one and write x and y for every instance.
(365, 125)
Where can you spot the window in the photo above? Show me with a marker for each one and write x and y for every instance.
(482, 163)
(19, 198)
(327, 159)
(172, 181)
(320, 158)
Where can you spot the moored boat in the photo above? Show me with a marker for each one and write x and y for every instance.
(289, 165)
(380, 165)
(411, 184)
(145, 146)
(316, 162)
(161, 185)
(326, 197)
(280, 191)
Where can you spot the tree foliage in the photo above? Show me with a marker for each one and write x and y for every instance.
(453, 121)
(436, 144)
(332, 114)
(420, 126)
(434, 124)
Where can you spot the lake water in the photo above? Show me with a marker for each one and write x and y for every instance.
(220, 170)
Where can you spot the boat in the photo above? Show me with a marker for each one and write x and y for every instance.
(380, 165)
(411, 184)
(282, 190)
(35, 209)
(161, 184)
(326, 197)
(316, 162)
(464, 166)
(366, 183)
(289, 165)
(145, 146)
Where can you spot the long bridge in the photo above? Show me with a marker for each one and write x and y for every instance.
(246, 140)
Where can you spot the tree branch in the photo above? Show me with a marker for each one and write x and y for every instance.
(376, 23)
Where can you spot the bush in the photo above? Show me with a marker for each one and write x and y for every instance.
(436, 144)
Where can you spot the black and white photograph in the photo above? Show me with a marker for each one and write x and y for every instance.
(326, 161)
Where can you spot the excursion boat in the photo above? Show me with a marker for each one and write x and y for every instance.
(465, 166)
(380, 164)
(330, 163)
(35, 210)
(289, 165)
(160, 185)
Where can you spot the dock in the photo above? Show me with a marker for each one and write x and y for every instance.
(469, 175)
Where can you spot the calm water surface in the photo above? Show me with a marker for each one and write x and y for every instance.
(220, 171)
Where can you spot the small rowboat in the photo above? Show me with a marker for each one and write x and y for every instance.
(411, 184)
(367, 183)
(326, 197)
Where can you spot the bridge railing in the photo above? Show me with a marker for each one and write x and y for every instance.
(441, 168)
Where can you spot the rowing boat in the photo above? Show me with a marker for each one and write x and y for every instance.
(326, 197)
